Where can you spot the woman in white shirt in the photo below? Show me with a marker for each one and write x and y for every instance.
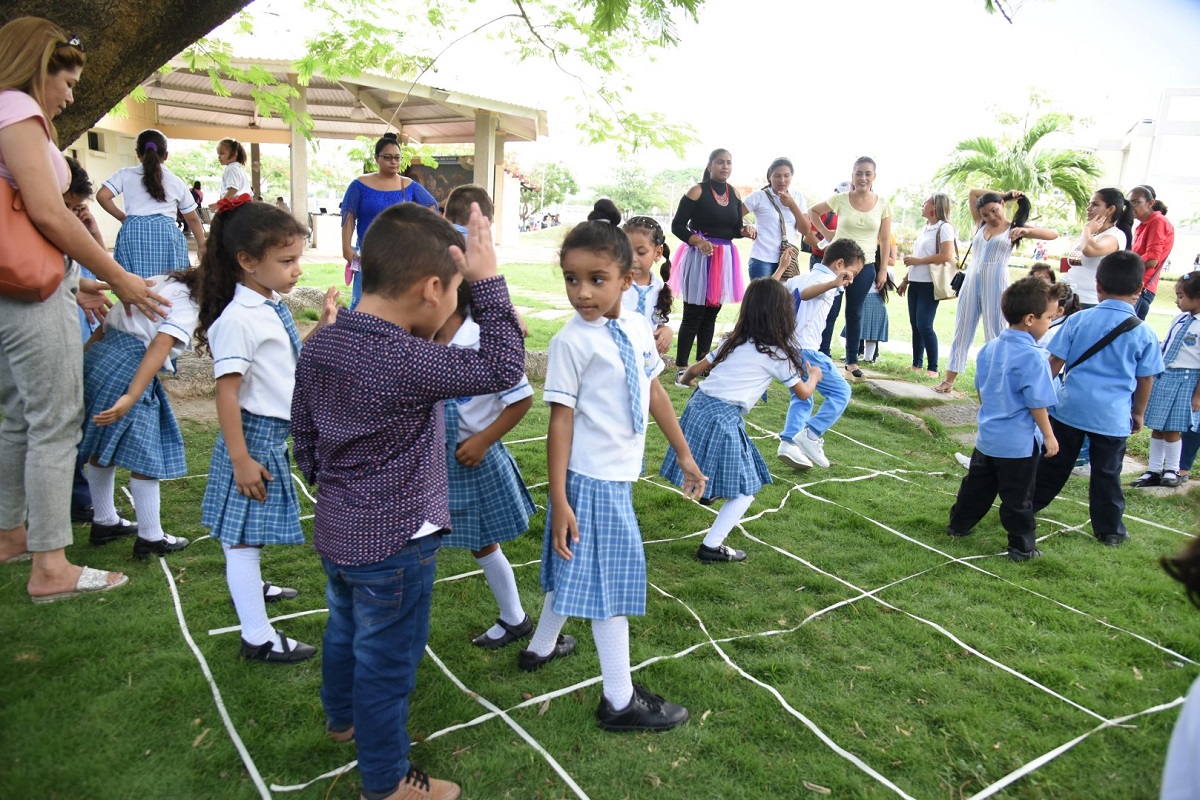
(1109, 228)
(935, 244)
(770, 204)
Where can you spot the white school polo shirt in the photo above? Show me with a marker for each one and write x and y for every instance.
(811, 313)
(249, 339)
(585, 372)
(235, 177)
(180, 322)
(476, 413)
(743, 376)
(139, 203)
(630, 299)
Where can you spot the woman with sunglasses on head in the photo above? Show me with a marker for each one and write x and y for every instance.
(41, 356)
(1153, 240)
(369, 194)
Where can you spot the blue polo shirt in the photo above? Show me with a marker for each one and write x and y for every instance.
(1012, 376)
(1098, 394)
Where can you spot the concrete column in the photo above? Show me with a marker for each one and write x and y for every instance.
(255, 170)
(497, 190)
(298, 152)
(485, 151)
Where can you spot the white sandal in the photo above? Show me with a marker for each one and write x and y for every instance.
(91, 581)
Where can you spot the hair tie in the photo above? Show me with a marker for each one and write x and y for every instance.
(227, 204)
(149, 146)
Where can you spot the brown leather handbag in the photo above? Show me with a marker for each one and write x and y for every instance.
(31, 268)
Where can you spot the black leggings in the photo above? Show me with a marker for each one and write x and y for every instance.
(697, 324)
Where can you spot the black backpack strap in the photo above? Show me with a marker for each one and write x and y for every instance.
(1127, 325)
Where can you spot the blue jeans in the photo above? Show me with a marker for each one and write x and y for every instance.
(856, 295)
(1191, 443)
(921, 310)
(834, 390)
(374, 639)
(762, 269)
(355, 290)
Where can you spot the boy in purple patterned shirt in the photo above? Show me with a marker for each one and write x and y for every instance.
(368, 430)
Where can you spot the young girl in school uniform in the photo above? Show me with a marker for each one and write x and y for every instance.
(128, 420)
(649, 295)
(234, 180)
(875, 319)
(149, 242)
(489, 503)
(601, 379)
(251, 500)
(758, 350)
(1175, 398)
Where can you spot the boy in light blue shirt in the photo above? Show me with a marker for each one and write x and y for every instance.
(1015, 390)
(1104, 397)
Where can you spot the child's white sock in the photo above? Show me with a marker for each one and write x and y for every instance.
(102, 482)
(1171, 453)
(727, 517)
(548, 627)
(612, 646)
(499, 574)
(1157, 452)
(243, 573)
(145, 503)
(869, 349)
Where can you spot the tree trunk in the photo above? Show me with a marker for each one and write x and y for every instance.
(125, 42)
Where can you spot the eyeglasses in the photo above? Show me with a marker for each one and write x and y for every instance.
(395, 158)
(73, 40)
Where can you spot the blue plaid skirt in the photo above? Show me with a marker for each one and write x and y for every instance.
(874, 320)
(236, 519)
(1170, 406)
(716, 435)
(147, 439)
(151, 245)
(606, 576)
(489, 503)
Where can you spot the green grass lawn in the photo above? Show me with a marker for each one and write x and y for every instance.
(857, 632)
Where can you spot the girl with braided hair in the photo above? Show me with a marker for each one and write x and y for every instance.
(649, 294)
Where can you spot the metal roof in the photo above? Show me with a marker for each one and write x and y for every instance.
(367, 105)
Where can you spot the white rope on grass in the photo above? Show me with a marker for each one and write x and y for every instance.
(272, 620)
(247, 761)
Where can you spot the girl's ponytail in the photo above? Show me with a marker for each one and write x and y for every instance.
(151, 149)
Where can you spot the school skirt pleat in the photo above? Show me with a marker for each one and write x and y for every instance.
(146, 440)
(235, 519)
(151, 245)
(874, 320)
(1170, 406)
(716, 435)
(606, 576)
(489, 504)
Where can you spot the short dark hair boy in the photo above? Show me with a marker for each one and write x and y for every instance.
(458, 204)
(1027, 296)
(846, 250)
(404, 244)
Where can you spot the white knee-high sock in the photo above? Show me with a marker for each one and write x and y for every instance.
(1157, 453)
(1171, 453)
(499, 574)
(612, 646)
(869, 350)
(145, 503)
(548, 627)
(727, 517)
(243, 572)
(102, 483)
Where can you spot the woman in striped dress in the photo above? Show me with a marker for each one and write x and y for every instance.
(987, 276)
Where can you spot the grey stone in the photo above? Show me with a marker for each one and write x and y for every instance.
(913, 391)
(304, 297)
(956, 413)
(967, 439)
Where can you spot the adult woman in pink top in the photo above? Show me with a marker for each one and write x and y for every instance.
(41, 357)
(1152, 240)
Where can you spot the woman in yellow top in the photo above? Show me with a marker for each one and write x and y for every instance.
(866, 218)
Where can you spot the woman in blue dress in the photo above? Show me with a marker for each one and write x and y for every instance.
(369, 194)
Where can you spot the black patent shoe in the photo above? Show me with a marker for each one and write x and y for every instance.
(1170, 479)
(645, 712)
(143, 548)
(284, 593)
(721, 552)
(1023, 555)
(287, 655)
(82, 516)
(1148, 478)
(512, 633)
(530, 661)
(1112, 539)
(103, 534)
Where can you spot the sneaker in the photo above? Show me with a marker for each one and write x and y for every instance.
(645, 712)
(1148, 478)
(1023, 555)
(1112, 539)
(813, 448)
(721, 552)
(291, 651)
(1083, 471)
(529, 661)
(963, 461)
(103, 534)
(417, 785)
(512, 633)
(143, 548)
(1170, 478)
(792, 455)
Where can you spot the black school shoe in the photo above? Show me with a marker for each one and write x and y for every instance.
(952, 531)
(645, 712)
(1170, 479)
(288, 655)
(1148, 478)
(1112, 539)
(82, 516)
(530, 661)
(143, 549)
(719, 553)
(284, 593)
(1022, 555)
(103, 534)
(512, 633)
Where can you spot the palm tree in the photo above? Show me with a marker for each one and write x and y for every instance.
(1024, 165)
